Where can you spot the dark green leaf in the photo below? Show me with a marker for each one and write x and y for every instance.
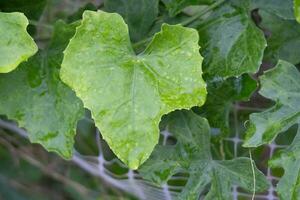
(138, 14)
(221, 95)
(289, 159)
(281, 84)
(34, 96)
(281, 8)
(231, 43)
(31, 8)
(175, 6)
(192, 155)
(283, 38)
(78, 14)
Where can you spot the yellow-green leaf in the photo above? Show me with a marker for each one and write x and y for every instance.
(128, 93)
(16, 45)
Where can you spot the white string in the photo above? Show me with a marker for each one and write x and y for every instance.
(253, 173)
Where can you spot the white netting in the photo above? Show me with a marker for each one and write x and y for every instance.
(132, 183)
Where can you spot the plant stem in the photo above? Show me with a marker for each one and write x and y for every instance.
(184, 23)
(203, 12)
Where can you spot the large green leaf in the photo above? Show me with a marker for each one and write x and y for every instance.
(281, 84)
(175, 6)
(288, 187)
(192, 155)
(16, 45)
(283, 38)
(221, 95)
(128, 93)
(297, 9)
(231, 43)
(31, 8)
(138, 14)
(34, 96)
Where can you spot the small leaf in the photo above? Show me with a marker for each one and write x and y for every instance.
(192, 155)
(221, 95)
(231, 43)
(138, 14)
(34, 96)
(281, 84)
(175, 6)
(128, 93)
(288, 186)
(297, 9)
(16, 45)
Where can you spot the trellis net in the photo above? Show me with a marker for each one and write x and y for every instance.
(113, 172)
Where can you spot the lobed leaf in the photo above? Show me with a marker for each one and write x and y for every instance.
(231, 43)
(191, 154)
(281, 9)
(35, 97)
(283, 38)
(281, 84)
(16, 45)
(128, 93)
(31, 8)
(289, 159)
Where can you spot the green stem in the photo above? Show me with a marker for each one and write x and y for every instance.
(203, 12)
(184, 23)
(141, 43)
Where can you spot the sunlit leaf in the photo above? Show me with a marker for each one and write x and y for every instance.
(128, 93)
(16, 45)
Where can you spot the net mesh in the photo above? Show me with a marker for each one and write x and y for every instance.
(131, 182)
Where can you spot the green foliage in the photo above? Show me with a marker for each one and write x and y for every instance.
(34, 96)
(297, 10)
(281, 84)
(277, 7)
(192, 155)
(142, 85)
(133, 68)
(231, 43)
(288, 159)
(138, 14)
(175, 6)
(283, 39)
(16, 45)
(221, 96)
